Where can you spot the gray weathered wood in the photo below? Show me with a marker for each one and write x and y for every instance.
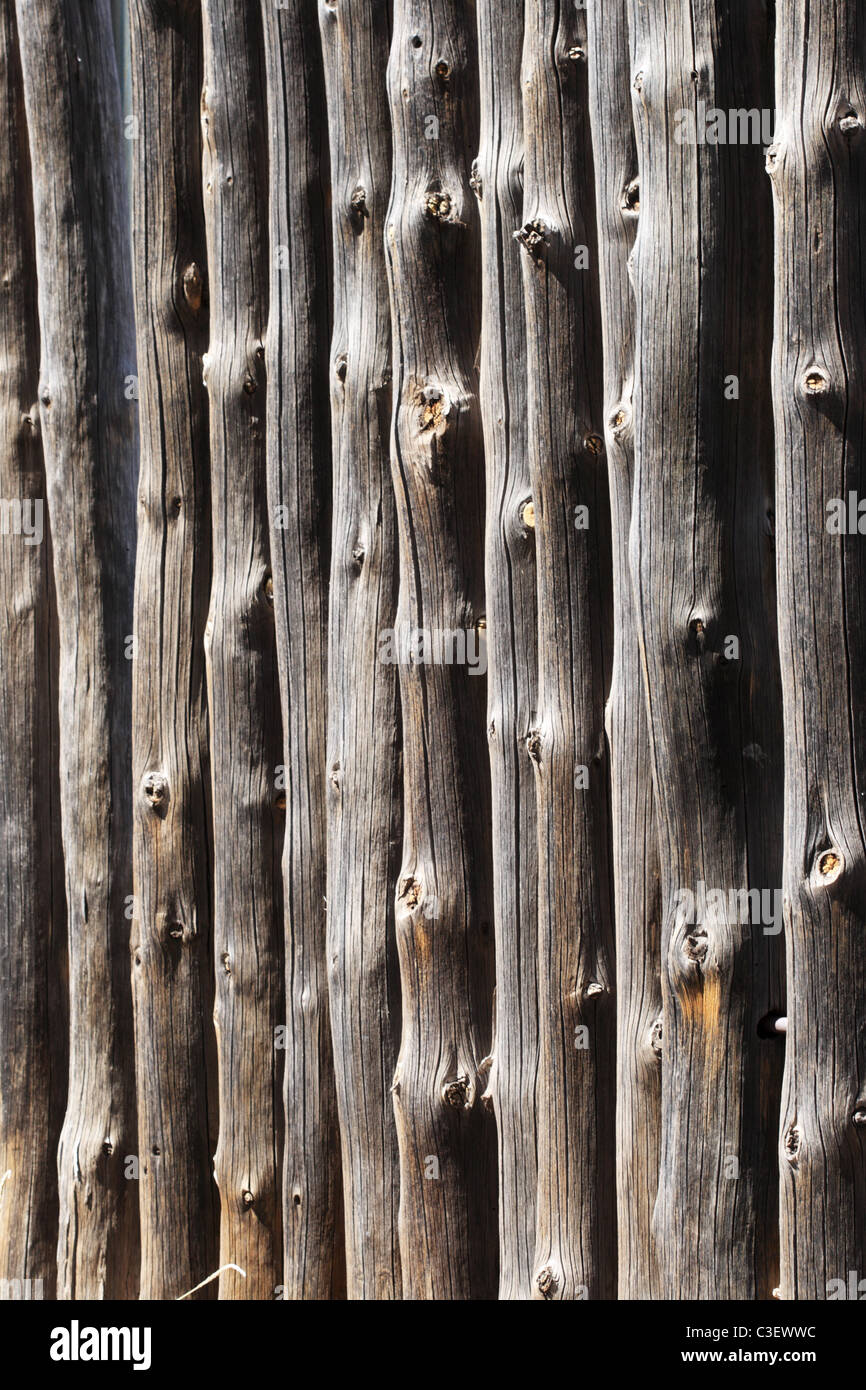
(818, 172)
(172, 963)
(634, 838)
(444, 910)
(701, 562)
(90, 441)
(575, 1254)
(364, 802)
(243, 700)
(511, 635)
(299, 455)
(32, 908)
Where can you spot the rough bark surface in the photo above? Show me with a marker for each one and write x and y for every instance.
(89, 434)
(243, 698)
(575, 1253)
(172, 963)
(444, 909)
(299, 455)
(32, 907)
(634, 838)
(700, 554)
(818, 171)
(511, 628)
(364, 802)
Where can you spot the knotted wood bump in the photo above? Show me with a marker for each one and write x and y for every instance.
(458, 1093)
(631, 197)
(155, 789)
(815, 383)
(829, 866)
(193, 286)
(533, 237)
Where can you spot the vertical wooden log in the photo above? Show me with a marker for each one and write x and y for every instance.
(298, 483)
(241, 657)
(90, 440)
(575, 1254)
(364, 805)
(634, 838)
(511, 641)
(447, 1219)
(172, 970)
(32, 911)
(701, 562)
(818, 170)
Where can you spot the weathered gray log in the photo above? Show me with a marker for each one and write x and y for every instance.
(819, 180)
(90, 441)
(243, 699)
(634, 840)
(298, 483)
(701, 562)
(32, 908)
(364, 795)
(447, 1167)
(173, 968)
(575, 1254)
(511, 636)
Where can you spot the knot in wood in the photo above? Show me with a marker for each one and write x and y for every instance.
(631, 197)
(358, 207)
(696, 946)
(546, 1282)
(410, 892)
(792, 1144)
(830, 865)
(533, 237)
(155, 788)
(458, 1093)
(815, 383)
(193, 286)
(439, 206)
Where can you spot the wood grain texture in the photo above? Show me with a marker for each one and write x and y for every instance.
(634, 838)
(817, 173)
(172, 961)
(299, 482)
(240, 649)
(90, 440)
(575, 1253)
(364, 800)
(512, 675)
(701, 562)
(32, 905)
(444, 909)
